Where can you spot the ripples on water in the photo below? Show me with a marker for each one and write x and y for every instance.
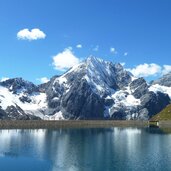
(107, 149)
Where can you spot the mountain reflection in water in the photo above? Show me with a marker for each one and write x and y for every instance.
(85, 149)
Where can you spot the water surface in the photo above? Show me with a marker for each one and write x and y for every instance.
(103, 149)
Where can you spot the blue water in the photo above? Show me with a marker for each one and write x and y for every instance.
(108, 149)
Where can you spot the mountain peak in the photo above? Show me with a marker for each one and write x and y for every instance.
(92, 59)
(165, 80)
(18, 84)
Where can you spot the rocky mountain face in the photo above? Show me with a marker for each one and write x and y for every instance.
(164, 81)
(94, 89)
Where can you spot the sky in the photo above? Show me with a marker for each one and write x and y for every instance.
(43, 38)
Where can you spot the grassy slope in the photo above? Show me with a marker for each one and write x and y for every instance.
(165, 114)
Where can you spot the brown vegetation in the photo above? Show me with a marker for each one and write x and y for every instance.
(42, 124)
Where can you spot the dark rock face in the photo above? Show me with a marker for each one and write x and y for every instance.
(108, 102)
(119, 115)
(2, 114)
(43, 87)
(143, 114)
(80, 102)
(25, 99)
(122, 77)
(16, 113)
(125, 112)
(16, 85)
(54, 93)
(154, 103)
(139, 87)
(164, 81)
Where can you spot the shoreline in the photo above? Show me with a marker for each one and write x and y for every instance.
(42, 124)
(51, 124)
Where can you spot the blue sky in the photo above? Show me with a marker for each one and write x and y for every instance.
(133, 32)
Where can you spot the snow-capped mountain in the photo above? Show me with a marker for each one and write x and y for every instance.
(21, 99)
(94, 89)
(163, 84)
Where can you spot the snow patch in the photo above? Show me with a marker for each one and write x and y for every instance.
(56, 116)
(124, 98)
(97, 75)
(37, 104)
(62, 80)
(6, 98)
(158, 88)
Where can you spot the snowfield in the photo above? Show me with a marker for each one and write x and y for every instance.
(158, 88)
(37, 101)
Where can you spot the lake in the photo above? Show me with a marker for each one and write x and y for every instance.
(90, 149)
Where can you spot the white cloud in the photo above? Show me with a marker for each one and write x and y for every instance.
(65, 60)
(113, 50)
(43, 79)
(166, 69)
(33, 34)
(4, 79)
(79, 46)
(126, 53)
(146, 70)
(96, 48)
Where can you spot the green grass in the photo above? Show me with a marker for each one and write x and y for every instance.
(164, 115)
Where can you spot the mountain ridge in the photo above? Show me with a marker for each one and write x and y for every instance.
(93, 89)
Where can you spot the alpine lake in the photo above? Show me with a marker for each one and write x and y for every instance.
(86, 149)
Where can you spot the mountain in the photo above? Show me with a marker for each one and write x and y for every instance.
(163, 85)
(93, 89)
(18, 98)
(164, 81)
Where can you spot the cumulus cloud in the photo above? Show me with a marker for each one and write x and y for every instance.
(126, 53)
(96, 48)
(4, 79)
(43, 79)
(146, 70)
(65, 60)
(33, 34)
(79, 46)
(113, 50)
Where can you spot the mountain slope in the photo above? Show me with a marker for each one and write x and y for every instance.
(21, 99)
(94, 89)
(165, 114)
(164, 81)
(99, 89)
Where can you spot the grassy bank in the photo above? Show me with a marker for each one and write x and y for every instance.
(41, 124)
(164, 115)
